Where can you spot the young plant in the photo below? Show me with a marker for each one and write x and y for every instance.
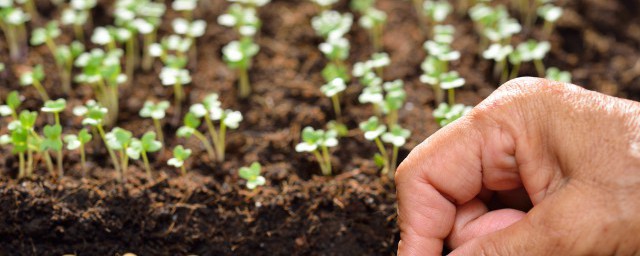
(499, 54)
(396, 136)
(535, 51)
(252, 175)
(34, 78)
(142, 146)
(190, 128)
(157, 112)
(93, 115)
(25, 135)
(65, 55)
(373, 130)
(211, 111)
(77, 15)
(556, 74)
(446, 114)
(12, 23)
(185, 7)
(336, 50)
(46, 35)
(78, 142)
(333, 90)
(550, 13)
(435, 11)
(119, 140)
(176, 75)
(238, 55)
(243, 19)
(436, 66)
(180, 155)
(53, 134)
(394, 99)
(149, 19)
(318, 142)
(450, 81)
(324, 5)
(11, 106)
(332, 24)
(372, 20)
(190, 30)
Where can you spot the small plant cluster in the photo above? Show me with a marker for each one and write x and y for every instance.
(242, 15)
(371, 19)
(13, 21)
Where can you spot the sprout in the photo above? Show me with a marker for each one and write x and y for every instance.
(499, 54)
(13, 20)
(189, 29)
(238, 54)
(93, 115)
(244, 19)
(443, 34)
(46, 35)
(55, 107)
(53, 142)
(318, 142)
(373, 129)
(119, 140)
(186, 6)
(77, 15)
(550, 13)
(252, 175)
(157, 112)
(450, 81)
(446, 114)
(536, 51)
(333, 90)
(437, 11)
(555, 74)
(180, 155)
(34, 77)
(146, 144)
(396, 136)
(394, 99)
(332, 24)
(176, 76)
(13, 102)
(373, 20)
(190, 128)
(441, 51)
(65, 56)
(78, 142)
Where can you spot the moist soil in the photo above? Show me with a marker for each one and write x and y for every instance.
(298, 212)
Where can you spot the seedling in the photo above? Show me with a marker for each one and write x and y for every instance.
(550, 13)
(77, 14)
(535, 51)
(499, 54)
(324, 4)
(65, 56)
(443, 34)
(93, 115)
(336, 50)
(53, 134)
(149, 17)
(146, 144)
(252, 175)
(396, 136)
(78, 142)
(47, 35)
(333, 90)
(186, 7)
(157, 112)
(238, 54)
(180, 155)
(373, 130)
(494, 24)
(176, 75)
(555, 74)
(332, 24)
(13, 21)
(119, 140)
(190, 128)
(34, 78)
(446, 114)
(373, 20)
(11, 106)
(190, 30)
(211, 111)
(435, 11)
(243, 19)
(318, 142)
(394, 99)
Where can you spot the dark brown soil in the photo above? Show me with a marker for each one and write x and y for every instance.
(209, 212)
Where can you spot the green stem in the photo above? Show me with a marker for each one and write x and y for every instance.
(158, 125)
(131, 57)
(79, 31)
(47, 159)
(183, 170)
(335, 99)
(21, 170)
(206, 143)
(452, 96)
(41, 90)
(14, 47)
(147, 167)
(394, 160)
(383, 152)
(514, 71)
(60, 170)
(212, 129)
(438, 94)
(220, 147)
(83, 161)
(29, 169)
(392, 118)
(539, 67)
(245, 86)
(320, 160)
(112, 154)
(178, 97)
(327, 160)
(147, 59)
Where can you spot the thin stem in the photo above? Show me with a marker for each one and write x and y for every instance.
(131, 57)
(114, 159)
(335, 99)
(178, 97)
(41, 90)
(220, 147)
(245, 86)
(505, 72)
(83, 161)
(392, 118)
(212, 129)
(147, 59)
(320, 160)
(327, 160)
(29, 169)
(206, 143)
(79, 31)
(439, 94)
(158, 125)
(183, 170)
(147, 167)
(60, 170)
(383, 152)
(21, 171)
(539, 67)
(47, 159)
(125, 160)
(394, 160)
(452, 96)
(14, 47)
(514, 71)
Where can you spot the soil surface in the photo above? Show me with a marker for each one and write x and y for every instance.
(208, 211)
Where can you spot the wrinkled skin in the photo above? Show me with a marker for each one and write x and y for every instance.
(573, 153)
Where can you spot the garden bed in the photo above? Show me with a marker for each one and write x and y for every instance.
(298, 212)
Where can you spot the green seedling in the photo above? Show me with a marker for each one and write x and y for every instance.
(494, 24)
(185, 7)
(47, 35)
(34, 77)
(77, 14)
(149, 19)
(190, 30)
(373, 130)
(238, 55)
(252, 175)
(27, 136)
(190, 128)
(332, 24)
(65, 55)
(243, 19)
(11, 106)
(210, 109)
(53, 134)
(171, 48)
(157, 112)
(12, 23)
(180, 155)
(324, 5)
(373, 20)
(93, 115)
(397, 137)
(394, 98)
(535, 51)
(550, 13)
(78, 142)
(446, 114)
(336, 50)
(142, 146)
(436, 12)
(176, 75)
(332, 90)
(499, 54)
(450, 81)
(318, 142)
(443, 34)
(119, 140)
(556, 74)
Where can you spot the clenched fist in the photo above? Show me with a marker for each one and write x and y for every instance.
(571, 154)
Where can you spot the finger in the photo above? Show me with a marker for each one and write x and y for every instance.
(431, 176)
(473, 220)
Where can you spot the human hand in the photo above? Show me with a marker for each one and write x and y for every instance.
(575, 154)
